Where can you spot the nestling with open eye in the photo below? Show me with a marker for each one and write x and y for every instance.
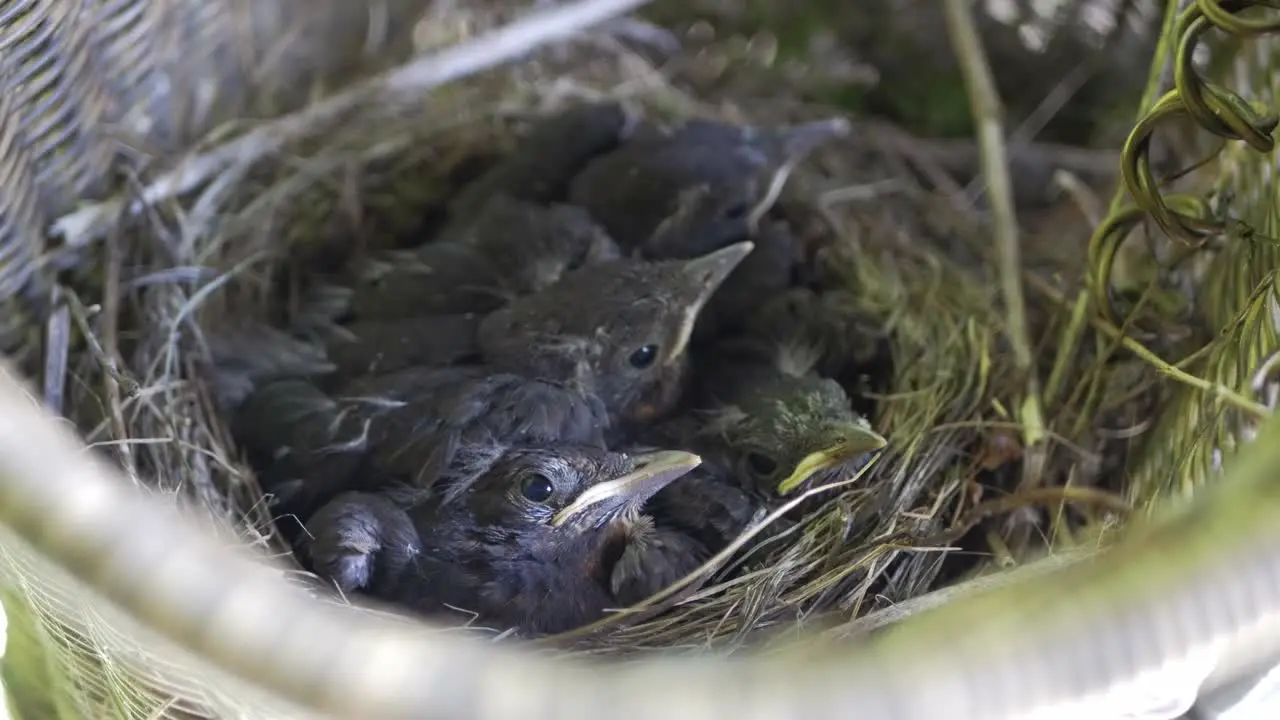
(424, 428)
(599, 347)
(620, 329)
(535, 543)
(766, 425)
(632, 189)
(564, 270)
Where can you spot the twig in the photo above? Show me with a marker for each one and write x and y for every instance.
(1080, 194)
(1043, 114)
(1072, 334)
(987, 112)
(1039, 496)
(1000, 552)
(81, 314)
(414, 78)
(1053, 102)
(111, 348)
(961, 156)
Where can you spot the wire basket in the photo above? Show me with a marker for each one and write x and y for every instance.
(223, 118)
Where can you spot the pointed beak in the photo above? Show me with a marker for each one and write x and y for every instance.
(650, 473)
(800, 140)
(855, 441)
(705, 275)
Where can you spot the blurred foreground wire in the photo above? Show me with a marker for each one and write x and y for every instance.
(1199, 592)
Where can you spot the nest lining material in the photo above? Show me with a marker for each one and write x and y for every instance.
(191, 266)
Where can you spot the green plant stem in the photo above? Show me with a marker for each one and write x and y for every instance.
(987, 114)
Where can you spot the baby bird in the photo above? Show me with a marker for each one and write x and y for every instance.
(632, 189)
(535, 543)
(764, 396)
(601, 347)
(555, 149)
(765, 424)
(513, 248)
(379, 347)
(620, 329)
(532, 246)
(685, 527)
(781, 426)
(768, 435)
(421, 428)
(525, 259)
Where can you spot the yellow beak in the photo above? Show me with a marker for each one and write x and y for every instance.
(651, 472)
(705, 275)
(857, 440)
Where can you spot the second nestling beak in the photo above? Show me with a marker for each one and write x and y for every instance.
(648, 473)
(703, 276)
(842, 445)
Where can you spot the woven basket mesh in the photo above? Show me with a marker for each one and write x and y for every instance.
(84, 83)
(88, 87)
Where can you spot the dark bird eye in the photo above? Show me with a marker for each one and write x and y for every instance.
(761, 464)
(536, 488)
(737, 211)
(644, 357)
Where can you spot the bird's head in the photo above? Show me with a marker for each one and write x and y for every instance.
(531, 543)
(561, 492)
(634, 188)
(619, 328)
(784, 431)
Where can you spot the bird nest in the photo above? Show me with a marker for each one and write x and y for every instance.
(954, 491)
(945, 396)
